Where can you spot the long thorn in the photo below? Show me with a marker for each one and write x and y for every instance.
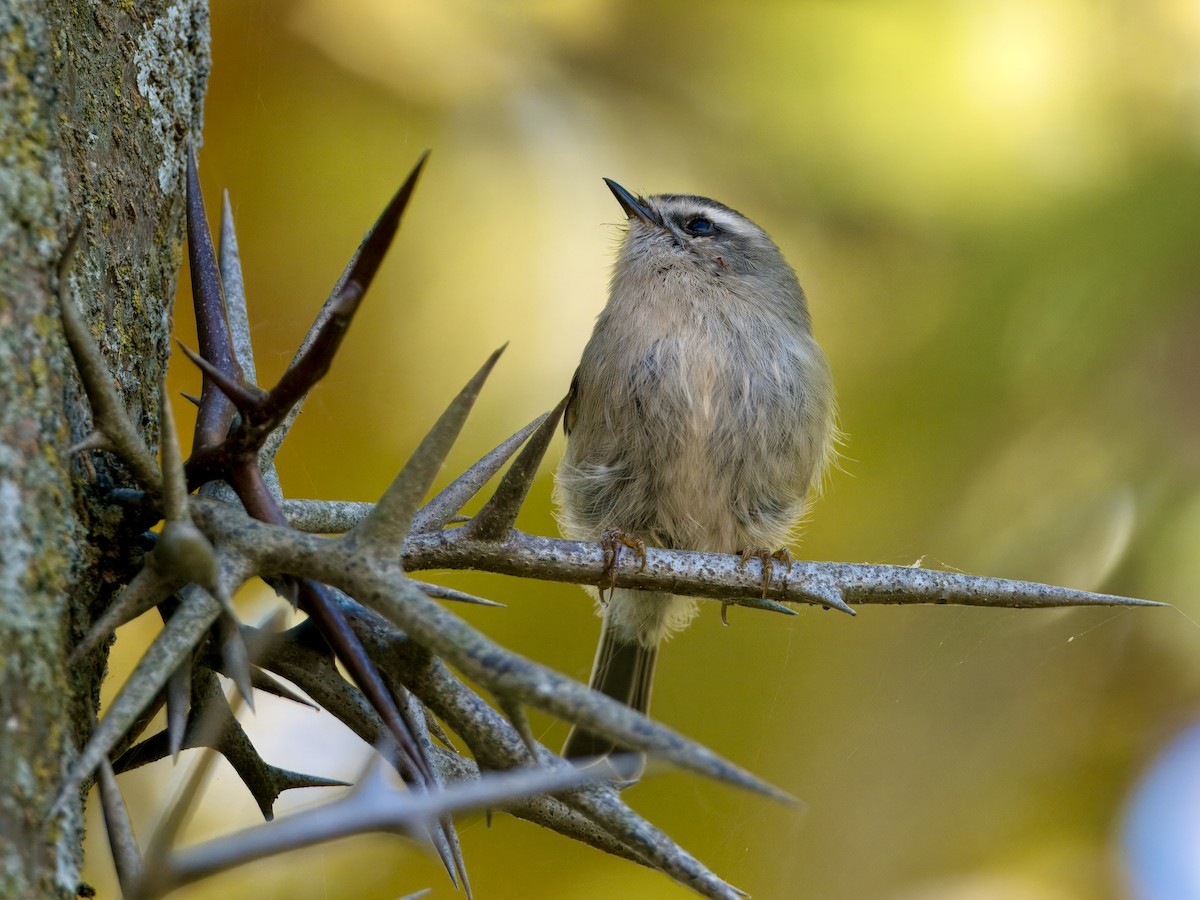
(389, 522)
(234, 287)
(441, 592)
(179, 699)
(500, 512)
(109, 415)
(127, 858)
(437, 512)
(212, 326)
(174, 483)
(375, 244)
(236, 657)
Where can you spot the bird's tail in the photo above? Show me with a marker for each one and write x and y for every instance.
(624, 670)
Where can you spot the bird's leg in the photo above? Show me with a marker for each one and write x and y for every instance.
(612, 541)
(766, 557)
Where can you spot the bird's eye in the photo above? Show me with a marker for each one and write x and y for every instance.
(699, 225)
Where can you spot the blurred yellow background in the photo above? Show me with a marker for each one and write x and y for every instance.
(994, 209)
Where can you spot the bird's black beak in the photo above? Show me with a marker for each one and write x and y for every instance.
(633, 206)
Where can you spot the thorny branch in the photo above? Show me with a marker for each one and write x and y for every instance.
(366, 612)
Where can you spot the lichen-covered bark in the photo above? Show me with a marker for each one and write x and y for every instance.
(97, 102)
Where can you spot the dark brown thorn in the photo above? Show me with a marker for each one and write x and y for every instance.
(212, 326)
(191, 398)
(242, 396)
(313, 362)
(248, 481)
(441, 510)
(369, 255)
(389, 522)
(324, 611)
(499, 514)
(316, 355)
(442, 832)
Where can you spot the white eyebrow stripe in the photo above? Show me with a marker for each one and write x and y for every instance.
(724, 219)
(721, 217)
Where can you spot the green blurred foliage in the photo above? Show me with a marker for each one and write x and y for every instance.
(993, 208)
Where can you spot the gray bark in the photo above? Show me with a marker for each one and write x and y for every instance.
(97, 103)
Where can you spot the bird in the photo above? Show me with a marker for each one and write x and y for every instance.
(702, 417)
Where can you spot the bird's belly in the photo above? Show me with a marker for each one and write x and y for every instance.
(693, 442)
(729, 478)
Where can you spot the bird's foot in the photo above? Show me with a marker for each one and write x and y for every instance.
(612, 541)
(767, 558)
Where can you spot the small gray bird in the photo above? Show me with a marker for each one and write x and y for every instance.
(700, 417)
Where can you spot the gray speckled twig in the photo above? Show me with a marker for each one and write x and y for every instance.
(596, 815)
(297, 660)
(374, 805)
(172, 645)
(325, 516)
(374, 578)
(718, 576)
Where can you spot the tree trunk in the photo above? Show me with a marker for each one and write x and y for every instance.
(97, 104)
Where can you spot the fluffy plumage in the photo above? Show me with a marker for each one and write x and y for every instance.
(701, 414)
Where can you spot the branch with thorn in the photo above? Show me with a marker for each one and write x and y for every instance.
(349, 567)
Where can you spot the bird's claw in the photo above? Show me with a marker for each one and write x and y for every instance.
(612, 541)
(766, 557)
